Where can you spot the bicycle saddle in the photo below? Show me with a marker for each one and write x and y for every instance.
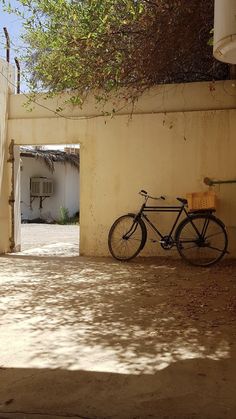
(182, 200)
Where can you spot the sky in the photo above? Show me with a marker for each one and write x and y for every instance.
(13, 25)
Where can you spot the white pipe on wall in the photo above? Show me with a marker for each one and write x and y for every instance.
(225, 31)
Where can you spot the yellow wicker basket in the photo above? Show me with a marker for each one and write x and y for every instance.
(201, 200)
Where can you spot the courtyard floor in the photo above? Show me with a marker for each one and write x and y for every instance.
(49, 240)
(94, 338)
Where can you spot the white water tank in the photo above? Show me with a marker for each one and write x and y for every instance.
(225, 31)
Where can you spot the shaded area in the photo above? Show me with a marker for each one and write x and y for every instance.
(187, 389)
(178, 43)
(102, 339)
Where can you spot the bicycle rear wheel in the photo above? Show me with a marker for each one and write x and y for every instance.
(127, 237)
(201, 239)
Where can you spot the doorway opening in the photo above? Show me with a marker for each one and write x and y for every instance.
(49, 200)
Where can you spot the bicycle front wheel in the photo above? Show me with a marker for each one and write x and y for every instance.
(201, 239)
(127, 237)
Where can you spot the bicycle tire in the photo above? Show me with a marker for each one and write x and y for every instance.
(202, 248)
(127, 237)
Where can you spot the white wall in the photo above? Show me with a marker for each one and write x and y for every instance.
(66, 180)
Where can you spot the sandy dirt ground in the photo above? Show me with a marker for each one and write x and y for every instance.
(98, 339)
(50, 240)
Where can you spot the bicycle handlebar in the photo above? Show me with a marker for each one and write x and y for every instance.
(145, 194)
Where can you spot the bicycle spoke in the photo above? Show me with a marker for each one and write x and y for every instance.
(126, 237)
(205, 248)
(214, 234)
(214, 248)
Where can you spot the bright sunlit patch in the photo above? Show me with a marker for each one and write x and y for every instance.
(168, 268)
(50, 345)
(55, 249)
(221, 352)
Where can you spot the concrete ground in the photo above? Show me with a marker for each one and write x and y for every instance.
(94, 338)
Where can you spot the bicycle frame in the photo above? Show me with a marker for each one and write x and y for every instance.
(169, 209)
(193, 235)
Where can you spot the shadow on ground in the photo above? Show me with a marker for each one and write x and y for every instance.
(100, 339)
(199, 388)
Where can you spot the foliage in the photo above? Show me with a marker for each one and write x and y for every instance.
(64, 215)
(101, 46)
(210, 42)
(50, 157)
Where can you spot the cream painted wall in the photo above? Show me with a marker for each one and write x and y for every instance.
(66, 181)
(6, 73)
(163, 98)
(166, 154)
(177, 135)
(17, 196)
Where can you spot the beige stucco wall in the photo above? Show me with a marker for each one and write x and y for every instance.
(164, 154)
(6, 75)
(177, 135)
(16, 227)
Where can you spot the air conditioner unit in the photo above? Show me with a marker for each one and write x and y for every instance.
(41, 186)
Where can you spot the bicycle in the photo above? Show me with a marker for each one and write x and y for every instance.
(200, 238)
